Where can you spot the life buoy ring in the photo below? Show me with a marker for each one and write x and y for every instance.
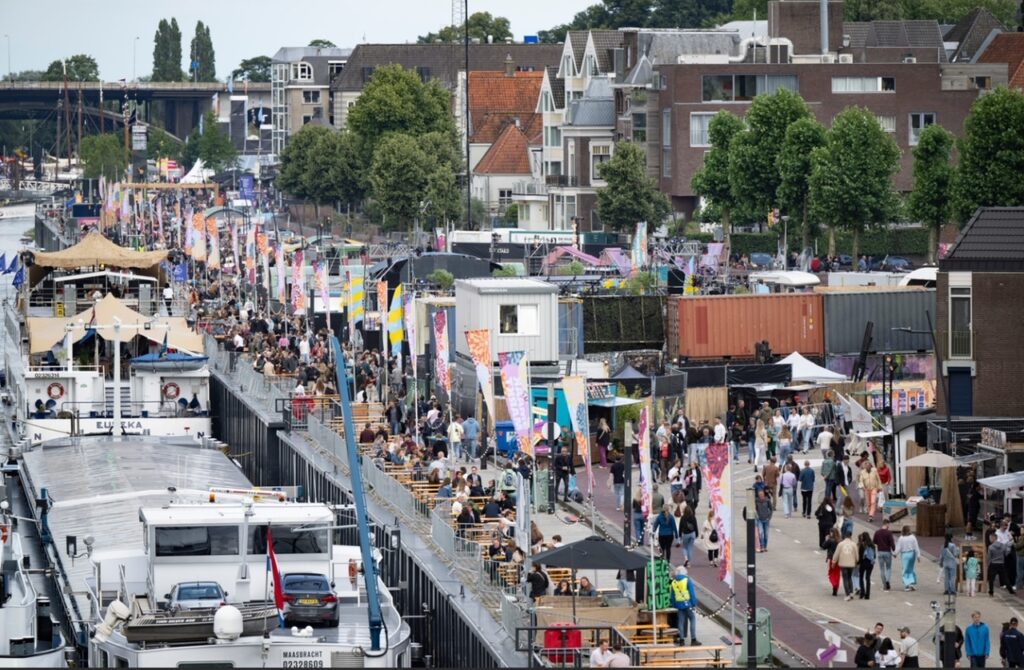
(3, 534)
(55, 390)
(171, 390)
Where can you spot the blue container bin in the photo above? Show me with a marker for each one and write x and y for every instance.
(505, 434)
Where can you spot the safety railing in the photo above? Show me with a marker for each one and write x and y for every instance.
(165, 409)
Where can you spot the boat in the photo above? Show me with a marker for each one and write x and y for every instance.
(137, 515)
(17, 210)
(168, 362)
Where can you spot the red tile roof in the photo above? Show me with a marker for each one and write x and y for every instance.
(1007, 48)
(496, 100)
(508, 155)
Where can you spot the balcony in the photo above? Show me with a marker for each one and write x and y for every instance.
(530, 188)
(562, 180)
(960, 344)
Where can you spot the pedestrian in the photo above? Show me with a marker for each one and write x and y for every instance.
(639, 519)
(909, 552)
(865, 564)
(619, 659)
(847, 557)
(455, 433)
(826, 516)
(1011, 646)
(908, 649)
(1018, 556)
(972, 568)
(949, 561)
(617, 478)
(764, 516)
(684, 599)
(886, 656)
(788, 482)
(885, 544)
(168, 297)
(667, 532)
(976, 639)
(710, 536)
(604, 440)
(830, 545)
(564, 469)
(806, 478)
(688, 533)
(871, 484)
(847, 512)
(538, 582)
(997, 561)
(865, 656)
(828, 467)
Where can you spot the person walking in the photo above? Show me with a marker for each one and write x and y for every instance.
(826, 515)
(664, 527)
(909, 551)
(617, 478)
(760, 444)
(709, 534)
(684, 599)
(847, 557)
(865, 564)
(828, 468)
(834, 572)
(806, 478)
(788, 482)
(687, 533)
(972, 569)
(1011, 646)
(564, 468)
(763, 508)
(908, 649)
(639, 519)
(770, 473)
(976, 641)
(604, 440)
(870, 483)
(885, 545)
(997, 557)
(949, 560)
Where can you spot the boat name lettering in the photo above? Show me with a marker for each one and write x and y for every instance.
(132, 425)
(46, 375)
(302, 654)
(308, 663)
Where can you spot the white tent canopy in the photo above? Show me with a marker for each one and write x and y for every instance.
(806, 371)
(198, 174)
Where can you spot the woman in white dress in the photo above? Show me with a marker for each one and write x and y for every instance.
(760, 444)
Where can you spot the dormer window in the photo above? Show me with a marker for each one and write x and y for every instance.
(567, 70)
(302, 71)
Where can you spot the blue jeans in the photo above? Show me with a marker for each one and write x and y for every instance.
(735, 450)
(456, 450)
(751, 449)
(687, 623)
(620, 493)
(638, 527)
(702, 454)
(788, 501)
(762, 528)
(949, 578)
(885, 565)
(687, 540)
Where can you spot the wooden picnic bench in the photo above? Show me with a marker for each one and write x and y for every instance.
(664, 655)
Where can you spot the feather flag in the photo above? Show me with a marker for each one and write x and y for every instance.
(513, 367)
(356, 296)
(211, 228)
(298, 283)
(575, 390)
(234, 248)
(480, 352)
(198, 237)
(395, 322)
(250, 254)
(441, 351)
(262, 243)
(409, 315)
(189, 235)
(320, 281)
(282, 294)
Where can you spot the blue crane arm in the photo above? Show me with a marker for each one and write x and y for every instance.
(376, 619)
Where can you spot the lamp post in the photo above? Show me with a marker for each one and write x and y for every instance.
(941, 374)
(750, 515)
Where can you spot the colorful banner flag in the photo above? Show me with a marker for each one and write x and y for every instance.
(356, 296)
(211, 230)
(718, 480)
(409, 314)
(250, 254)
(382, 298)
(644, 433)
(320, 279)
(480, 351)
(275, 574)
(298, 283)
(640, 246)
(441, 351)
(395, 322)
(282, 293)
(575, 389)
(513, 366)
(198, 237)
(234, 248)
(188, 235)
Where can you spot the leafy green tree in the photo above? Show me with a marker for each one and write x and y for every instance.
(398, 180)
(253, 69)
(332, 172)
(754, 153)
(25, 75)
(712, 181)
(167, 51)
(80, 68)
(630, 195)
(442, 278)
(851, 177)
(161, 145)
(933, 175)
(951, 11)
(991, 154)
(512, 214)
(297, 158)
(103, 155)
(211, 146)
(593, 17)
(802, 137)
(573, 269)
(481, 26)
(478, 213)
(743, 10)
(505, 271)
(202, 59)
(322, 44)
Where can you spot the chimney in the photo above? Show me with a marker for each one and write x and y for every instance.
(823, 18)
(510, 66)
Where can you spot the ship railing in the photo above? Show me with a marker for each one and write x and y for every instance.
(326, 437)
(388, 488)
(62, 369)
(11, 324)
(164, 409)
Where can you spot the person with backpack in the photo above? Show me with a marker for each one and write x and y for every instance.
(687, 533)
(538, 582)
(709, 534)
(828, 467)
(684, 599)
(806, 478)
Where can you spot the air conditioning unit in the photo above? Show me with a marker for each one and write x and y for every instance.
(846, 58)
(909, 59)
(828, 58)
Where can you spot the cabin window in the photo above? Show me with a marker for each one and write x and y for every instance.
(518, 319)
(197, 541)
(288, 541)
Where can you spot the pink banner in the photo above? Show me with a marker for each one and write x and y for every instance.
(298, 283)
(409, 315)
(441, 351)
(517, 395)
(644, 433)
(480, 351)
(282, 294)
(717, 478)
(575, 389)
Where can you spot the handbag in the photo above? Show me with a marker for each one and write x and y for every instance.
(713, 536)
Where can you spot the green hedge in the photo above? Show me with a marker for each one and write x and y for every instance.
(880, 242)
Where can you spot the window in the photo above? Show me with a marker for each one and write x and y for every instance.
(640, 127)
(743, 87)
(887, 122)
(120, 662)
(423, 73)
(287, 541)
(959, 322)
(197, 541)
(983, 83)
(302, 71)
(589, 65)
(599, 153)
(699, 122)
(311, 97)
(334, 68)
(555, 168)
(595, 221)
(567, 69)
(306, 118)
(552, 136)
(367, 73)
(918, 122)
(504, 198)
(666, 143)
(517, 319)
(547, 101)
(863, 84)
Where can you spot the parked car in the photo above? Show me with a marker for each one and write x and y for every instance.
(845, 261)
(762, 261)
(892, 264)
(196, 595)
(309, 598)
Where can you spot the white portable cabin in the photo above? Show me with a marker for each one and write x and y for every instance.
(522, 315)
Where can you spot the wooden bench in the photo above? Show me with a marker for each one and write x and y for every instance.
(663, 655)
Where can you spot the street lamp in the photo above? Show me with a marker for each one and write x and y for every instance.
(945, 381)
(750, 515)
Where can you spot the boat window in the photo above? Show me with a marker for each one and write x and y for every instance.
(287, 541)
(120, 662)
(197, 541)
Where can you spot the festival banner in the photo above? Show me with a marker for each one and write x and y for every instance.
(480, 351)
(198, 237)
(320, 278)
(640, 246)
(250, 254)
(298, 283)
(513, 367)
(575, 389)
(355, 299)
(234, 249)
(282, 294)
(211, 230)
(395, 322)
(382, 298)
(718, 480)
(189, 234)
(441, 351)
(409, 314)
(644, 434)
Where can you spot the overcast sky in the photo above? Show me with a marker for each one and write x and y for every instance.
(42, 31)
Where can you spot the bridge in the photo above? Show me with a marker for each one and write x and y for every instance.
(174, 106)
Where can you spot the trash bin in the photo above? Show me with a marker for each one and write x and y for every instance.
(505, 434)
(763, 637)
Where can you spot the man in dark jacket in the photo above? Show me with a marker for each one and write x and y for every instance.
(865, 657)
(1011, 646)
(563, 469)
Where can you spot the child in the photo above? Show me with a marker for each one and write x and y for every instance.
(972, 568)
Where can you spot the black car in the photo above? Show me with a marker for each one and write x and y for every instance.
(309, 598)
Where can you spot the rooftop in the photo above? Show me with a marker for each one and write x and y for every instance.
(992, 241)
(896, 34)
(496, 100)
(506, 285)
(1007, 48)
(508, 155)
(295, 54)
(971, 31)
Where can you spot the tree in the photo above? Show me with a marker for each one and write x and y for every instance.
(481, 26)
(25, 75)
(712, 181)
(332, 172)
(253, 69)
(167, 51)
(80, 67)
(930, 200)
(103, 155)
(802, 137)
(322, 44)
(202, 62)
(444, 279)
(161, 145)
(991, 154)
(395, 100)
(211, 146)
(398, 180)
(851, 175)
(593, 17)
(296, 159)
(630, 195)
(478, 213)
(688, 13)
(753, 154)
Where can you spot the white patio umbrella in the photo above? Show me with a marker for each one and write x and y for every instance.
(931, 459)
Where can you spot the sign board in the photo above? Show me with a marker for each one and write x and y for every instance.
(990, 437)
(138, 137)
(661, 580)
(246, 188)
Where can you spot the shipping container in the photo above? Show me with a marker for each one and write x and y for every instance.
(847, 314)
(729, 326)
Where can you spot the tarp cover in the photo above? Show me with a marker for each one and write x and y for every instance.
(96, 250)
(806, 371)
(44, 333)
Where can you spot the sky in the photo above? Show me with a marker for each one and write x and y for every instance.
(41, 31)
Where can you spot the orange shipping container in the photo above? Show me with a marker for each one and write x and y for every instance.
(728, 326)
